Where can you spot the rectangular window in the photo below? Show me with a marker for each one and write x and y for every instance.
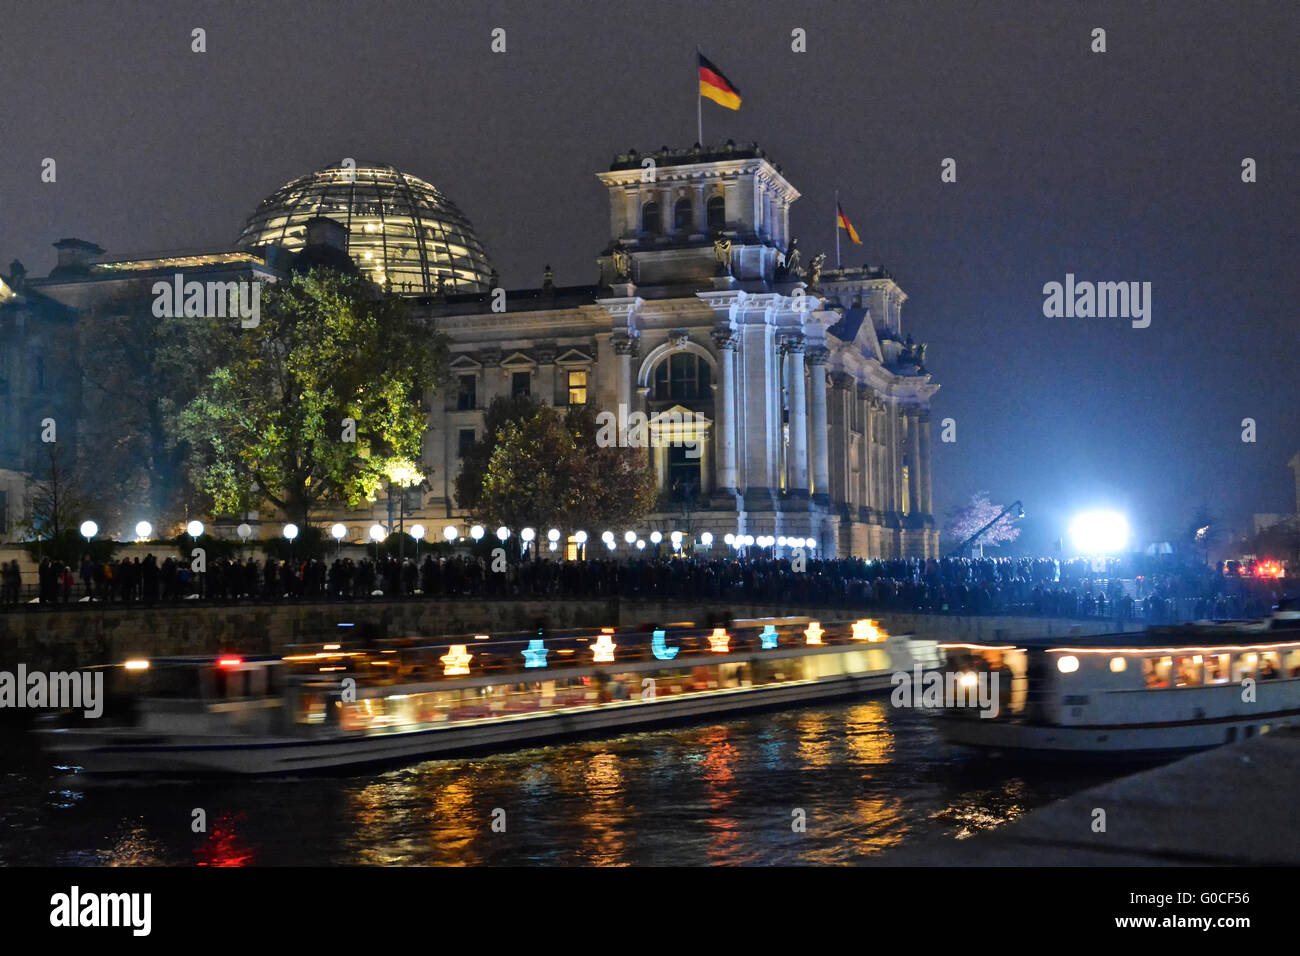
(521, 384)
(467, 394)
(465, 442)
(577, 388)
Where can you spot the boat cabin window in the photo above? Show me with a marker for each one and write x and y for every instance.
(1188, 670)
(1291, 663)
(1244, 666)
(1217, 668)
(1156, 670)
(1270, 665)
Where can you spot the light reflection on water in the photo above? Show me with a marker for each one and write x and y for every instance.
(864, 777)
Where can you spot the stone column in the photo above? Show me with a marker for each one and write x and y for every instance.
(927, 489)
(626, 347)
(914, 461)
(821, 471)
(793, 346)
(724, 408)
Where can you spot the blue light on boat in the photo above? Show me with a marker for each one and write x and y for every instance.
(769, 637)
(661, 649)
(535, 654)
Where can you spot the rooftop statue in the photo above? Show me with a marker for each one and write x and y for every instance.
(722, 252)
(622, 264)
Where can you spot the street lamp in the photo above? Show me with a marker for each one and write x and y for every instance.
(338, 532)
(417, 532)
(194, 529)
(630, 537)
(581, 538)
(376, 535)
(290, 532)
(503, 534)
(706, 539)
(450, 533)
(245, 531)
(88, 530)
(477, 532)
(143, 530)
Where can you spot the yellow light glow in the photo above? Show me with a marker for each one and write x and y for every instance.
(866, 630)
(603, 650)
(1118, 665)
(1067, 664)
(136, 665)
(333, 647)
(813, 633)
(456, 661)
(719, 640)
(969, 679)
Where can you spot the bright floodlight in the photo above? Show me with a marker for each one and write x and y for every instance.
(811, 542)
(89, 529)
(143, 529)
(1100, 532)
(655, 537)
(528, 534)
(749, 540)
(376, 532)
(677, 537)
(244, 530)
(607, 537)
(417, 532)
(580, 537)
(291, 531)
(450, 532)
(609, 543)
(630, 537)
(706, 539)
(502, 533)
(640, 544)
(553, 534)
(194, 529)
(339, 531)
(727, 538)
(477, 532)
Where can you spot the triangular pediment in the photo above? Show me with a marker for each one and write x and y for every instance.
(464, 362)
(574, 357)
(518, 360)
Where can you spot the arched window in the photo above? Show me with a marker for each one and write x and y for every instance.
(683, 376)
(650, 217)
(717, 213)
(683, 217)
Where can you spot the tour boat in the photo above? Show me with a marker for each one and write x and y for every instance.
(1162, 693)
(337, 706)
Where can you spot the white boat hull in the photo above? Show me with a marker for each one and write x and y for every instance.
(115, 753)
(1017, 739)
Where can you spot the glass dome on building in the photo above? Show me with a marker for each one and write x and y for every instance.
(402, 232)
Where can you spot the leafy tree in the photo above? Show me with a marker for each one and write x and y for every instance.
(503, 410)
(964, 521)
(268, 423)
(547, 470)
(137, 369)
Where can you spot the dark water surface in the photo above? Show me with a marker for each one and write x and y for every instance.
(867, 777)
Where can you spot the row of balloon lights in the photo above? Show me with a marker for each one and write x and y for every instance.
(456, 661)
(195, 529)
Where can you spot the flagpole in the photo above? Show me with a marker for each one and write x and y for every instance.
(699, 100)
(837, 230)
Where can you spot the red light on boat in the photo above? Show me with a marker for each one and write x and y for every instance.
(229, 661)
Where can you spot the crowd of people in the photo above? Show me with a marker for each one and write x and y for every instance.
(1037, 586)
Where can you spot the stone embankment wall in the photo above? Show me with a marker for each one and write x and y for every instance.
(81, 636)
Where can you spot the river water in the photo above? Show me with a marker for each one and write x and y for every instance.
(860, 777)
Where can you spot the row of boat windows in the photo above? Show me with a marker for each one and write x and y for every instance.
(377, 714)
(1199, 670)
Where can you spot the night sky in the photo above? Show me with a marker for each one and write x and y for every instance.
(1122, 166)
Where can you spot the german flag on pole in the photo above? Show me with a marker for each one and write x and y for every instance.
(846, 225)
(717, 87)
